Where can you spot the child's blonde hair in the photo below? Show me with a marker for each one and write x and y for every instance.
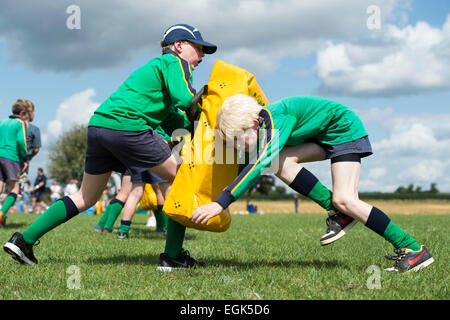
(237, 114)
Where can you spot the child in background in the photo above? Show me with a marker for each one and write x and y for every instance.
(13, 147)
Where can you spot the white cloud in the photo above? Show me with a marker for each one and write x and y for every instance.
(255, 34)
(377, 173)
(394, 61)
(77, 109)
(414, 151)
(427, 170)
(409, 135)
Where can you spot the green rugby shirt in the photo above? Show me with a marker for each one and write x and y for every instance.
(289, 122)
(13, 138)
(151, 95)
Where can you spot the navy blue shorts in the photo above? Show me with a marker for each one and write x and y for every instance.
(348, 151)
(39, 194)
(145, 176)
(9, 170)
(115, 150)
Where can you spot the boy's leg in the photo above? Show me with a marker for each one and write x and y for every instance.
(175, 231)
(102, 221)
(113, 210)
(299, 178)
(174, 257)
(116, 205)
(160, 217)
(137, 190)
(9, 201)
(304, 182)
(61, 211)
(345, 177)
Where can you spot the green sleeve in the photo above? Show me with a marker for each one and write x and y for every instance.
(276, 137)
(176, 119)
(21, 138)
(164, 135)
(178, 81)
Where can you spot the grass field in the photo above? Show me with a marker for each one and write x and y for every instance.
(269, 257)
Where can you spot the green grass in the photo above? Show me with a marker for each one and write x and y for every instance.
(259, 257)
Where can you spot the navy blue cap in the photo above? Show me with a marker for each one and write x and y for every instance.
(181, 32)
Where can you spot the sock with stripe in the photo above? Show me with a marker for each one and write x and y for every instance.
(308, 185)
(379, 222)
(61, 211)
(114, 209)
(174, 238)
(161, 218)
(8, 203)
(125, 226)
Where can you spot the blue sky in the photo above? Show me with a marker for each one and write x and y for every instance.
(397, 78)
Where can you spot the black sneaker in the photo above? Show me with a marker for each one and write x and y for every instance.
(182, 261)
(407, 260)
(338, 224)
(122, 235)
(20, 250)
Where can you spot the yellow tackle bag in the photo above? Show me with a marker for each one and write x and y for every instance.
(206, 171)
(148, 200)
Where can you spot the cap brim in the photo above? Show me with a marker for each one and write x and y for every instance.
(208, 48)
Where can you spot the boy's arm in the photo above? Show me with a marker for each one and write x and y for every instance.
(178, 81)
(21, 138)
(273, 144)
(176, 119)
(36, 143)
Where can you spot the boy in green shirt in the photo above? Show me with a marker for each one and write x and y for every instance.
(122, 134)
(13, 147)
(303, 129)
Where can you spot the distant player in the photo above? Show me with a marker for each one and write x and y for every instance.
(13, 147)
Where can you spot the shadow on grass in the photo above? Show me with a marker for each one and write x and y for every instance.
(250, 264)
(152, 234)
(153, 259)
(141, 259)
(14, 226)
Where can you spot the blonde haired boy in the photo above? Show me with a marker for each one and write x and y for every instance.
(305, 129)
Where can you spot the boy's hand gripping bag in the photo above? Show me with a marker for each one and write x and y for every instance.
(208, 167)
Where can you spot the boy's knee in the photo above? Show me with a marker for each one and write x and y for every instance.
(342, 202)
(83, 201)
